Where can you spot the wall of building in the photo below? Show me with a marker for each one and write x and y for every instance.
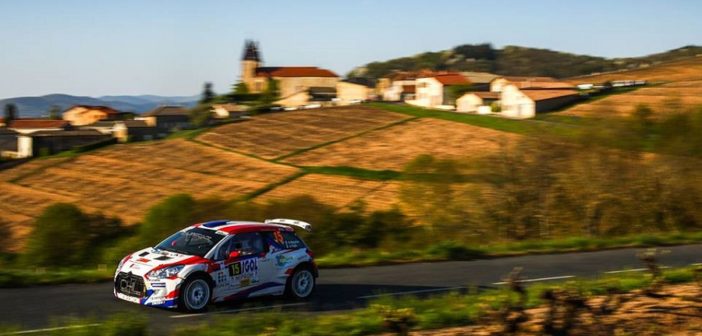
(468, 103)
(555, 103)
(515, 104)
(347, 93)
(498, 84)
(429, 93)
(292, 85)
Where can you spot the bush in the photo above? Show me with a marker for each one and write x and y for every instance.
(170, 215)
(64, 236)
(58, 238)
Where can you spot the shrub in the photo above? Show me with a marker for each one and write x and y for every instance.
(64, 236)
(170, 215)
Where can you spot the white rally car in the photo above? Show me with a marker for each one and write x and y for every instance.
(217, 261)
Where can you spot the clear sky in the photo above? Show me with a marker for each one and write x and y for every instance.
(170, 47)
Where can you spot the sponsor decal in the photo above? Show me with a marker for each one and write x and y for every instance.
(158, 284)
(282, 260)
(245, 282)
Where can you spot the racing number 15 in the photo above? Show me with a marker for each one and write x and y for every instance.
(235, 269)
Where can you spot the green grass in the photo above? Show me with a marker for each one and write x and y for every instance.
(438, 311)
(367, 174)
(493, 122)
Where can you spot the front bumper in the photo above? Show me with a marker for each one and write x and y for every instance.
(136, 289)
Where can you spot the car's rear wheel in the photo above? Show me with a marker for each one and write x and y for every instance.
(301, 284)
(195, 294)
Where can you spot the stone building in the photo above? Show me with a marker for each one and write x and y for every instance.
(294, 83)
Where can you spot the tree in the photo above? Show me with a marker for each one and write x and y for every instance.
(240, 89)
(208, 94)
(59, 238)
(55, 112)
(170, 215)
(271, 94)
(11, 113)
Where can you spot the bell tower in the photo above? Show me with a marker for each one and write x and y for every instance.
(250, 60)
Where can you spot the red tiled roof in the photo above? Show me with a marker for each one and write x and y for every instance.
(451, 79)
(528, 79)
(38, 123)
(486, 95)
(294, 72)
(537, 95)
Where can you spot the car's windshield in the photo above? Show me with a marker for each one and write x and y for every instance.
(196, 241)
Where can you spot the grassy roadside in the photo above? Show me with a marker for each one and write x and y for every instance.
(433, 312)
(444, 251)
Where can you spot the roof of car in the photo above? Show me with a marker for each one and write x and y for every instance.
(234, 227)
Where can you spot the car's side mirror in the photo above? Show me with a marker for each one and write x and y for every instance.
(234, 255)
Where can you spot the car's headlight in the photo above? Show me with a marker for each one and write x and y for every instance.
(164, 273)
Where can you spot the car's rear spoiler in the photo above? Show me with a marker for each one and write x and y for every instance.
(291, 222)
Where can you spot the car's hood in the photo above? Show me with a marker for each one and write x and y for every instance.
(143, 261)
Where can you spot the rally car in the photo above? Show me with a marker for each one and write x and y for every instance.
(218, 261)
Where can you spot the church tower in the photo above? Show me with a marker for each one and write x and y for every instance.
(250, 60)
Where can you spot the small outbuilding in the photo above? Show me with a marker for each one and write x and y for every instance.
(472, 101)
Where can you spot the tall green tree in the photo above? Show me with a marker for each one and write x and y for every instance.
(55, 112)
(10, 112)
(272, 92)
(208, 94)
(240, 88)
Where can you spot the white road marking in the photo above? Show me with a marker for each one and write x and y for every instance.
(627, 270)
(242, 310)
(410, 292)
(35, 331)
(538, 279)
(633, 270)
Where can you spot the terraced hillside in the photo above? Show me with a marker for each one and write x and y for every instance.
(273, 135)
(125, 180)
(393, 147)
(674, 84)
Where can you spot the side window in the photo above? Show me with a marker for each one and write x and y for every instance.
(247, 243)
(291, 241)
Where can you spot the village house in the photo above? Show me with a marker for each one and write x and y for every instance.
(400, 85)
(297, 85)
(27, 126)
(435, 91)
(546, 83)
(51, 142)
(80, 115)
(8, 142)
(477, 102)
(525, 103)
(125, 130)
(167, 119)
(479, 81)
(353, 92)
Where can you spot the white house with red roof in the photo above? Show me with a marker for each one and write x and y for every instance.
(434, 91)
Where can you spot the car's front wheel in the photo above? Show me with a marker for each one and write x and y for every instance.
(195, 294)
(301, 284)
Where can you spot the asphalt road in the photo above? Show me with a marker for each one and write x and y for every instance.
(33, 309)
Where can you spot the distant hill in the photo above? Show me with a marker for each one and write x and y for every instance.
(39, 106)
(518, 61)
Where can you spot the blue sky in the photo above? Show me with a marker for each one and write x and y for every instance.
(170, 47)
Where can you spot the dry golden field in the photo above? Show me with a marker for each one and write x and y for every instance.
(393, 147)
(125, 180)
(338, 191)
(679, 86)
(272, 135)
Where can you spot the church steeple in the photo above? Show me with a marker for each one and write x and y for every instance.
(251, 51)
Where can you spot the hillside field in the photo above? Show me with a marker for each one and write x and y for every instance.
(673, 86)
